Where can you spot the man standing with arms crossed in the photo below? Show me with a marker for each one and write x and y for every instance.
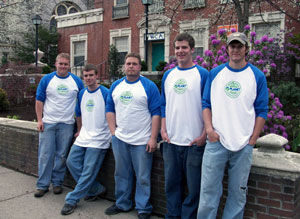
(235, 106)
(56, 98)
(133, 116)
(89, 149)
(183, 130)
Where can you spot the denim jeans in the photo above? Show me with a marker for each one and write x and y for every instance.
(54, 143)
(130, 159)
(216, 157)
(84, 164)
(180, 162)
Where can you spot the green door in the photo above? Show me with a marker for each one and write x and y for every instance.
(158, 54)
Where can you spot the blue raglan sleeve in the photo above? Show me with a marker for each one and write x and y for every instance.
(163, 95)
(206, 93)
(262, 95)
(153, 96)
(104, 92)
(78, 81)
(110, 104)
(78, 108)
(204, 76)
(42, 87)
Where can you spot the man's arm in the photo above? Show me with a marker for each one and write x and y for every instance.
(200, 141)
(79, 125)
(211, 134)
(163, 130)
(111, 120)
(259, 124)
(39, 105)
(152, 143)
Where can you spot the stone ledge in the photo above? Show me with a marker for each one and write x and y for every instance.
(18, 124)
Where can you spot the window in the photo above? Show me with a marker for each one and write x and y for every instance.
(199, 45)
(79, 58)
(120, 2)
(157, 6)
(121, 44)
(120, 10)
(270, 29)
(193, 4)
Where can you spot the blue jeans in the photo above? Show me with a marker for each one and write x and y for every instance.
(84, 165)
(216, 157)
(180, 162)
(54, 143)
(130, 159)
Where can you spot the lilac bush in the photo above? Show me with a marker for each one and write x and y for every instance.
(271, 55)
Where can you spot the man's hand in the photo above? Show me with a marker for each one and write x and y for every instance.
(199, 141)
(76, 134)
(213, 136)
(164, 136)
(151, 145)
(40, 126)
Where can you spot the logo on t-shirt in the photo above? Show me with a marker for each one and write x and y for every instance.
(90, 105)
(62, 89)
(180, 86)
(126, 97)
(233, 89)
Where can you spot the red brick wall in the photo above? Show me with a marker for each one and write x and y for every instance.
(269, 197)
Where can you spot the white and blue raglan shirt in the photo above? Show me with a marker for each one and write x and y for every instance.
(59, 95)
(181, 97)
(236, 97)
(91, 108)
(134, 104)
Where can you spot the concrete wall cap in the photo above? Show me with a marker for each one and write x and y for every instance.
(271, 142)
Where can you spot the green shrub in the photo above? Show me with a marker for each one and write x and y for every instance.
(144, 66)
(161, 66)
(13, 117)
(289, 95)
(4, 103)
(46, 69)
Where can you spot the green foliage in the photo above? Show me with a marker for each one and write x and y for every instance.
(161, 65)
(24, 52)
(158, 83)
(144, 66)
(13, 117)
(46, 69)
(289, 95)
(114, 63)
(4, 103)
(105, 85)
(4, 60)
(293, 130)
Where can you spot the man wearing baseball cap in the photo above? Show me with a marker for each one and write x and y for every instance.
(235, 106)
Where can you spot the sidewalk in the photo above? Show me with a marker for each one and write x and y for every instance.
(17, 201)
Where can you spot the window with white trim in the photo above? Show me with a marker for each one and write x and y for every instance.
(78, 53)
(198, 35)
(121, 38)
(270, 29)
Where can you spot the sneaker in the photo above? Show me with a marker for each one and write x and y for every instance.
(57, 190)
(40, 193)
(68, 209)
(144, 216)
(95, 197)
(114, 210)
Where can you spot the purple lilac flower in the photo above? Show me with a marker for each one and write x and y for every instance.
(276, 99)
(223, 48)
(274, 107)
(279, 116)
(265, 127)
(201, 59)
(272, 95)
(220, 52)
(213, 37)
(260, 62)
(272, 130)
(276, 126)
(233, 30)
(252, 34)
(215, 42)
(273, 65)
(288, 147)
(258, 53)
(252, 52)
(247, 27)
(265, 48)
(256, 42)
(265, 71)
(208, 53)
(172, 66)
(270, 40)
(282, 128)
(221, 59)
(221, 32)
(269, 116)
(288, 117)
(204, 65)
(215, 65)
(264, 38)
(284, 134)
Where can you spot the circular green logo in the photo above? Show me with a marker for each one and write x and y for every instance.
(180, 86)
(126, 97)
(62, 89)
(233, 89)
(90, 105)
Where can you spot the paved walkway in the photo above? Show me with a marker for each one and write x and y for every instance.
(17, 201)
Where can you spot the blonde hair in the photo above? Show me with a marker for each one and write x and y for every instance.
(63, 55)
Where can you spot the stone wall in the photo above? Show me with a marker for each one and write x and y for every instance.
(274, 193)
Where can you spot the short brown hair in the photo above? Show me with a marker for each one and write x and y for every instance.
(134, 55)
(63, 55)
(90, 67)
(185, 37)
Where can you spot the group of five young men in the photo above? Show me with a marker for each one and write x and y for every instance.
(207, 121)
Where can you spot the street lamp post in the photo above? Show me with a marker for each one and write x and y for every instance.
(146, 3)
(37, 20)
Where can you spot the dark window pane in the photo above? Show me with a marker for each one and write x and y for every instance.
(79, 61)
(61, 10)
